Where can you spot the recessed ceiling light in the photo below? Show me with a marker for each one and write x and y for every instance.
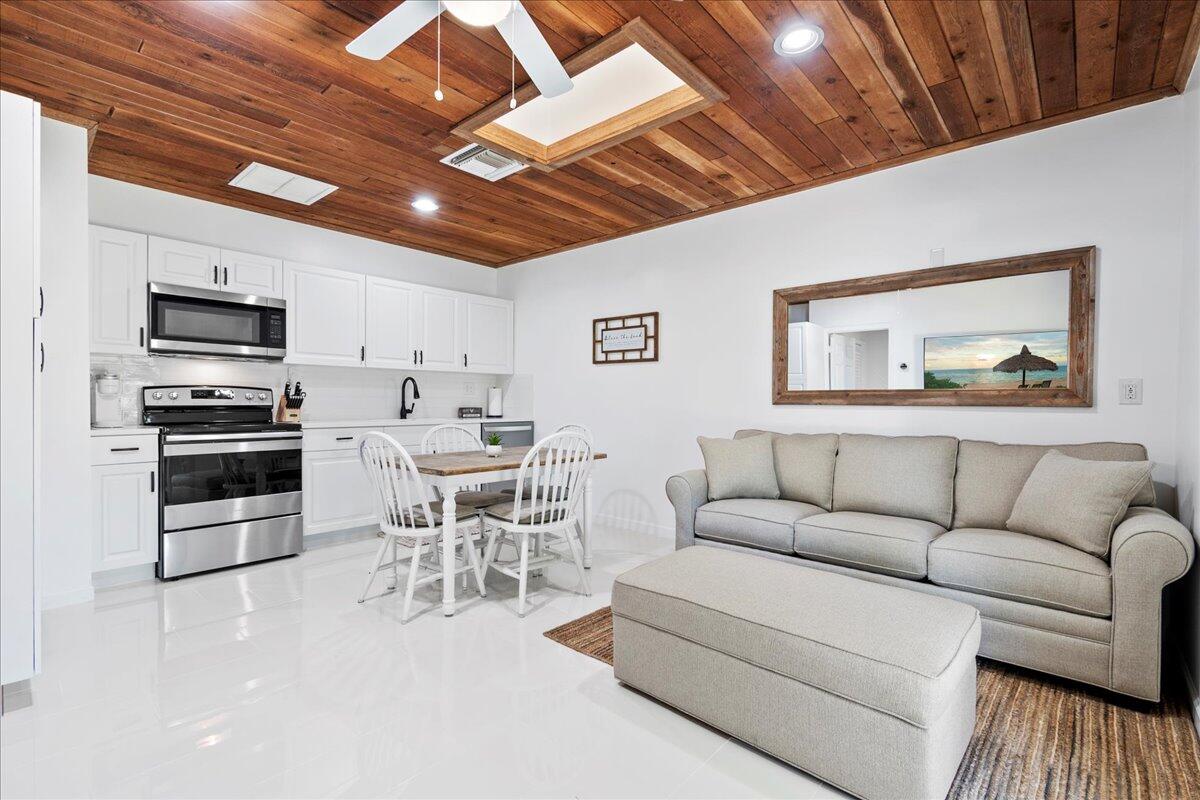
(425, 205)
(800, 38)
(480, 13)
(280, 183)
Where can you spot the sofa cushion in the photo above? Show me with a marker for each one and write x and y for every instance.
(1024, 568)
(1077, 502)
(874, 542)
(803, 465)
(739, 467)
(990, 476)
(904, 476)
(766, 524)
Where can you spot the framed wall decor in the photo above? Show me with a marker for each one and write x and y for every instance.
(627, 339)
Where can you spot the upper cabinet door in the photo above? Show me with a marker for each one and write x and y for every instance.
(118, 290)
(392, 312)
(184, 263)
(325, 319)
(439, 346)
(247, 273)
(489, 335)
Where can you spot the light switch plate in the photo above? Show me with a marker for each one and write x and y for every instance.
(937, 257)
(1131, 391)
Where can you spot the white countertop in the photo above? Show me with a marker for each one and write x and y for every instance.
(125, 430)
(387, 423)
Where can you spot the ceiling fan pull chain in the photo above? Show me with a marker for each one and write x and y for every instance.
(512, 101)
(437, 93)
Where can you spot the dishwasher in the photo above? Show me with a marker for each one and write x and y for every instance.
(517, 433)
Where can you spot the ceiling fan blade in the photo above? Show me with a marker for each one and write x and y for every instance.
(534, 53)
(394, 28)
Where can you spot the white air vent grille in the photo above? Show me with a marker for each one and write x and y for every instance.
(484, 163)
(279, 183)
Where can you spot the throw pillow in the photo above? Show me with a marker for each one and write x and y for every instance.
(1077, 502)
(739, 467)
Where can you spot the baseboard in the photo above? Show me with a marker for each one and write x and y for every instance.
(636, 525)
(123, 576)
(316, 540)
(60, 599)
(1192, 690)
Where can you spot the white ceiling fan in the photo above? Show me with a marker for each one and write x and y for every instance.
(509, 16)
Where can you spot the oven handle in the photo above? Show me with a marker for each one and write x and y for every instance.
(180, 438)
(216, 448)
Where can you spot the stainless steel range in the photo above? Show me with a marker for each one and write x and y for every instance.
(231, 480)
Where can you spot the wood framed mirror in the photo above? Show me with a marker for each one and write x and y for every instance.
(1007, 332)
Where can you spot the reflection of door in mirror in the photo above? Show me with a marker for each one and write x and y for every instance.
(858, 360)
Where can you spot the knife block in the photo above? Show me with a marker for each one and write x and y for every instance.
(285, 414)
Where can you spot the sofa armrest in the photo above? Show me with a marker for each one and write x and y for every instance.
(687, 491)
(1150, 549)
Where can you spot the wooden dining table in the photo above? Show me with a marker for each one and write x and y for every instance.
(452, 473)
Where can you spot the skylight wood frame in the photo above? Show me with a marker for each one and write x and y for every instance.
(698, 93)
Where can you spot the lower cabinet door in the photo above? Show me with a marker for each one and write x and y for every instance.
(337, 494)
(125, 508)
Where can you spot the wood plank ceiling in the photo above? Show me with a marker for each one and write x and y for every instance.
(182, 95)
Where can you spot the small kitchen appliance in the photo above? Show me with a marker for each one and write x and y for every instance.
(230, 477)
(106, 400)
(470, 412)
(207, 322)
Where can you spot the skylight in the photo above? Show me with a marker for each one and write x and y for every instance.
(279, 183)
(610, 88)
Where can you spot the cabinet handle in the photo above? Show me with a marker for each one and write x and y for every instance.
(141, 337)
(422, 357)
(414, 356)
(464, 360)
(343, 438)
(362, 353)
(42, 303)
(215, 273)
(123, 449)
(151, 483)
(225, 276)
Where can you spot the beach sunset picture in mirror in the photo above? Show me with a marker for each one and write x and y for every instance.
(998, 360)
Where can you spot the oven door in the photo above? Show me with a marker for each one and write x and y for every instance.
(208, 322)
(214, 482)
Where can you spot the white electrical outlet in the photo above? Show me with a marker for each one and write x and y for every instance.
(1131, 391)
(468, 388)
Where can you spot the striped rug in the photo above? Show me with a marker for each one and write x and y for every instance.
(1038, 737)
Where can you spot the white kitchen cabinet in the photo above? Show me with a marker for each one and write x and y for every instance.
(392, 313)
(125, 515)
(441, 321)
(184, 263)
(325, 315)
(337, 494)
(489, 334)
(248, 273)
(118, 290)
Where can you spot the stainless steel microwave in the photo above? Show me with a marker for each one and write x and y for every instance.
(189, 321)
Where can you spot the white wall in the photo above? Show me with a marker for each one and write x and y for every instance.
(66, 545)
(1188, 595)
(1112, 181)
(137, 208)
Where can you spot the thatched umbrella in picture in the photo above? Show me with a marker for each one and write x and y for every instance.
(1025, 361)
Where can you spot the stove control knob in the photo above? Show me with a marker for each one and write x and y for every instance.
(173, 395)
(249, 395)
(262, 395)
(158, 395)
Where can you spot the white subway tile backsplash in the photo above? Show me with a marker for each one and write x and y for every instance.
(333, 392)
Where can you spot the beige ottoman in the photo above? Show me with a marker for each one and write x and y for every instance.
(869, 687)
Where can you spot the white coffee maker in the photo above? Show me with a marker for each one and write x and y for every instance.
(106, 400)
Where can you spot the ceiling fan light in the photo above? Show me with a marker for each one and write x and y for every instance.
(479, 13)
(801, 38)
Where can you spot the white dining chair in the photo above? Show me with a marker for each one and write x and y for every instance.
(544, 509)
(582, 430)
(451, 438)
(408, 519)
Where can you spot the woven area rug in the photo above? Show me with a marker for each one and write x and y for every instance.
(1038, 737)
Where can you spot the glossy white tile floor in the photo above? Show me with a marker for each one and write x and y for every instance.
(270, 681)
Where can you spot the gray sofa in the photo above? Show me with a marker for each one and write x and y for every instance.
(928, 513)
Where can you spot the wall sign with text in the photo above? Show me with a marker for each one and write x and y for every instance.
(624, 340)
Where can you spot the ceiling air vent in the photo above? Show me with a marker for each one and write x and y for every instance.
(482, 162)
